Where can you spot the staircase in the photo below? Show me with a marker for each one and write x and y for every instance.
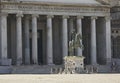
(32, 69)
(100, 68)
(107, 68)
(117, 61)
(104, 69)
(46, 69)
(5, 69)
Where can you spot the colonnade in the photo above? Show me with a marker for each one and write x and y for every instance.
(49, 42)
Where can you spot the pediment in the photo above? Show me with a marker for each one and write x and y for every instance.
(104, 2)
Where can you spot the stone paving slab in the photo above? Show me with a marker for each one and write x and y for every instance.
(78, 78)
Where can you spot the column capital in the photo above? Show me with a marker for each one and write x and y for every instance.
(35, 15)
(19, 15)
(80, 17)
(108, 18)
(3, 14)
(50, 16)
(65, 16)
(93, 17)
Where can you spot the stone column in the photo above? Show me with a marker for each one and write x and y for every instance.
(93, 41)
(79, 31)
(27, 42)
(34, 40)
(49, 40)
(3, 35)
(19, 38)
(64, 36)
(108, 38)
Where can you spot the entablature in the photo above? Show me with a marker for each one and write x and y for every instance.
(54, 9)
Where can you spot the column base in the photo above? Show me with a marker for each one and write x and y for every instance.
(35, 63)
(94, 64)
(27, 63)
(108, 61)
(51, 64)
(5, 62)
(19, 62)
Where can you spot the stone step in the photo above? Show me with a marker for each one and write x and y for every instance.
(101, 68)
(117, 61)
(104, 69)
(38, 69)
(5, 69)
(32, 69)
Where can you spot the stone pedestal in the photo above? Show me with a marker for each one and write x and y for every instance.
(74, 64)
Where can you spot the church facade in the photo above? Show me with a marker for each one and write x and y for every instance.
(115, 24)
(38, 32)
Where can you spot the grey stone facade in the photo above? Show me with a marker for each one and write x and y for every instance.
(37, 32)
(115, 31)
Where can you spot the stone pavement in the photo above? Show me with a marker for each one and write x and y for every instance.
(74, 78)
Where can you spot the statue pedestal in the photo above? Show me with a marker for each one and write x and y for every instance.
(74, 64)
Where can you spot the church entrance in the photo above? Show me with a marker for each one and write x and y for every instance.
(40, 47)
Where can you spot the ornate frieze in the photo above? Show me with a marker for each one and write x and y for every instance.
(93, 17)
(51, 8)
(80, 17)
(19, 15)
(3, 14)
(50, 16)
(65, 16)
(115, 9)
(35, 15)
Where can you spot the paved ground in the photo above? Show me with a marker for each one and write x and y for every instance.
(81, 78)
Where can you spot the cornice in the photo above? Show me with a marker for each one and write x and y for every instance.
(39, 8)
(53, 3)
(51, 7)
(106, 2)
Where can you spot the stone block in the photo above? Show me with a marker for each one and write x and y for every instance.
(5, 62)
(5, 69)
(74, 64)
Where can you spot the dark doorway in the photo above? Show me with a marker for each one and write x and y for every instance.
(40, 47)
